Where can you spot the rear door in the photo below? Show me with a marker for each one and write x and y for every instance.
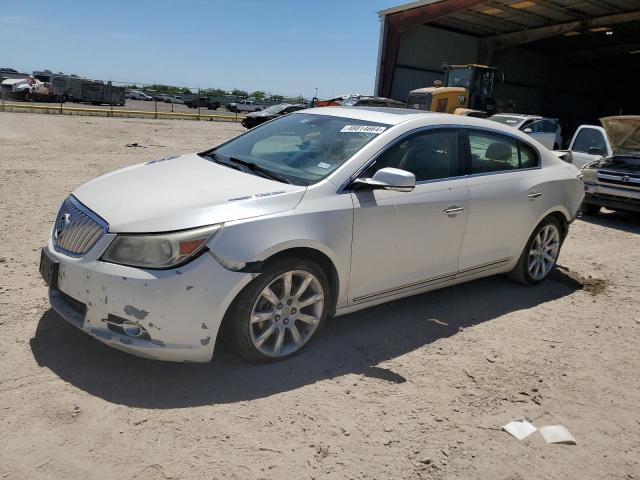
(545, 131)
(507, 187)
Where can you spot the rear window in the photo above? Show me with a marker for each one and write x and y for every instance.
(493, 153)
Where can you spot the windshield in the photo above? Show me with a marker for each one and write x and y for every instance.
(419, 101)
(506, 120)
(460, 77)
(302, 147)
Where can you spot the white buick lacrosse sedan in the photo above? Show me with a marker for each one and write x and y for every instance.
(314, 214)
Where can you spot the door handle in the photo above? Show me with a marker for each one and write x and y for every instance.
(533, 195)
(452, 211)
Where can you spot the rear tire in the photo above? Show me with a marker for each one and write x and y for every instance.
(540, 254)
(590, 209)
(269, 321)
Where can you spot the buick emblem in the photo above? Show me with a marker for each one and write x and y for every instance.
(626, 179)
(62, 224)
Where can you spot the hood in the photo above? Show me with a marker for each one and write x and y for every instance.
(623, 132)
(178, 193)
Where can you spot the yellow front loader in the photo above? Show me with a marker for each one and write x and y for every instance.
(466, 90)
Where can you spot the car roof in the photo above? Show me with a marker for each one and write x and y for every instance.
(418, 118)
(390, 116)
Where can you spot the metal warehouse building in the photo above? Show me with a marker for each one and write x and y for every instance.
(573, 59)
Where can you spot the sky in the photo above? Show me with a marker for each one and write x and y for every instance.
(285, 47)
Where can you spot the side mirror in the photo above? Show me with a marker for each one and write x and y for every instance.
(596, 151)
(393, 179)
(528, 130)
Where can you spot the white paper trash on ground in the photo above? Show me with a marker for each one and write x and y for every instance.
(557, 434)
(519, 429)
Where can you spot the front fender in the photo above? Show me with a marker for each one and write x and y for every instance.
(239, 245)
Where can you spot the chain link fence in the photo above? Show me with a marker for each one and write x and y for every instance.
(51, 92)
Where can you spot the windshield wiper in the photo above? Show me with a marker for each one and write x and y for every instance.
(255, 168)
(218, 159)
(243, 166)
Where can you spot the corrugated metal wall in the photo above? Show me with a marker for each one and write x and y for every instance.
(422, 52)
(526, 75)
(574, 90)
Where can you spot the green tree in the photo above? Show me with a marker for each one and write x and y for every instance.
(160, 88)
(258, 95)
(213, 92)
(239, 93)
(277, 98)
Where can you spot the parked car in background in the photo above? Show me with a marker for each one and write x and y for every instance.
(356, 100)
(256, 118)
(137, 95)
(175, 99)
(318, 213)
(546, 130)
(161, 97)
(588, 144)
(245, 106)
(613, 180)
(202, 102)
(372, 102)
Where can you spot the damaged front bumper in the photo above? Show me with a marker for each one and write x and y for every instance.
(178, 311)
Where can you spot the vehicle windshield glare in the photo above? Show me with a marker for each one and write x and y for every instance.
(275, 109)
(302, 147)
(506, 120)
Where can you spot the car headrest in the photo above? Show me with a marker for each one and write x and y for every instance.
(498, 151)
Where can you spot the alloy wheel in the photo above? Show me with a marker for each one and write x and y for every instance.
(544, 252)
(287, 313)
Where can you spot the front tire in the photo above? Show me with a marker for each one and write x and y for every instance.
(280, 311)
(540, 253)
(590, 209)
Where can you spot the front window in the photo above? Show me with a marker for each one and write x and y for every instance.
(303, 148)
(429, 155)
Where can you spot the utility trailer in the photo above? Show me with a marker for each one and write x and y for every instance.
(99, 93)
(77, 89)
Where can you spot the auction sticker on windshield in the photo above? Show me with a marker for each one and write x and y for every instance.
(362, 129)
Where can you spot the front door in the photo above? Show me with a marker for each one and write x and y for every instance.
(403, 241)
(585, 140)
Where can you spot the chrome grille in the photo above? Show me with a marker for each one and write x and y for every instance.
(77, 229)
(622, 179)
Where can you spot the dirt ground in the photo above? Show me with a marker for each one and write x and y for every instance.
(413, 389)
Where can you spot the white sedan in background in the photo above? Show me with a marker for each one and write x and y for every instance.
(545, 130)
(318, 213)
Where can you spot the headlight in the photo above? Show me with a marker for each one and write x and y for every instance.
(162, 250)
(589, 172)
